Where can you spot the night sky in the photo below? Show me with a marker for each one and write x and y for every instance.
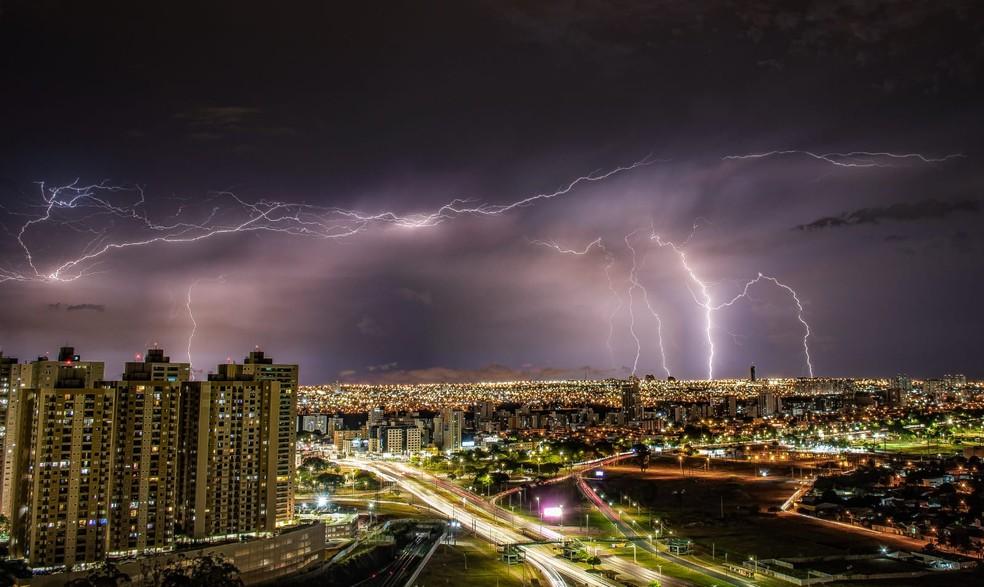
(406, 106)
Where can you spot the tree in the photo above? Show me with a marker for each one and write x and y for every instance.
(327, 480)
(593, 561)
(366, 480)
(204, 571)
(642, 455)
(314, 464)
(105, 575)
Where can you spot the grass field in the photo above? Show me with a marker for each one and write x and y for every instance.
(448, 567)
(920, 447)
(726, 511)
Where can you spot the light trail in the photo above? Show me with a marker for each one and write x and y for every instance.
(496, 531)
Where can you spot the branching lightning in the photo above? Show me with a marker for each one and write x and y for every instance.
(609, 262)
(852, 159)
(636, 284)
(229, 214)
(799, 311)
(705, 301)
(109, 218)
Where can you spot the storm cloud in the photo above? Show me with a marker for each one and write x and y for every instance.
(399, 112)
(77, 307)
(902, 212)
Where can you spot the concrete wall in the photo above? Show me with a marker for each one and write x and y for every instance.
(262, 560)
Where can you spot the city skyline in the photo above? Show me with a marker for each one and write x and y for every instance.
(561, 293)
(428, 220)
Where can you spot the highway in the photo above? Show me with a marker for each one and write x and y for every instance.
(629, 532)
(503, 525)
(541, 557)
(575, 469)
(500, 526)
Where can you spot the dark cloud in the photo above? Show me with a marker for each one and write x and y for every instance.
(383, 367)
(901, 212)
(77, 307)
(420, 297)
(368, 326)
(345, 106)
(220, 122)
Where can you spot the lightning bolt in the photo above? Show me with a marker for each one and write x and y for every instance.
(194, 323)
(704, 301)
(587, 249)
(229, 214)
(609, 262)
(796, 301)
(852, 159)
(636, 284)
(616, 307)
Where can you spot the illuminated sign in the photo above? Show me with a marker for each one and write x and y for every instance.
(553, 512)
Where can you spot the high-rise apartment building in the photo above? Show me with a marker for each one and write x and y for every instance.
(155, 366)
(62, 475)
(68, 371)
(230, 462)
(120, 468)
(397, 440)
(7, 382)
(769, 404)
(262, 368)
(143, 506)
(447, 429)
(631, 399)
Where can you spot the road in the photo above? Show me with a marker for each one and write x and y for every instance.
(502, 517)
(629, 532)
(575, 469)
(506, 528)
(541, 557)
